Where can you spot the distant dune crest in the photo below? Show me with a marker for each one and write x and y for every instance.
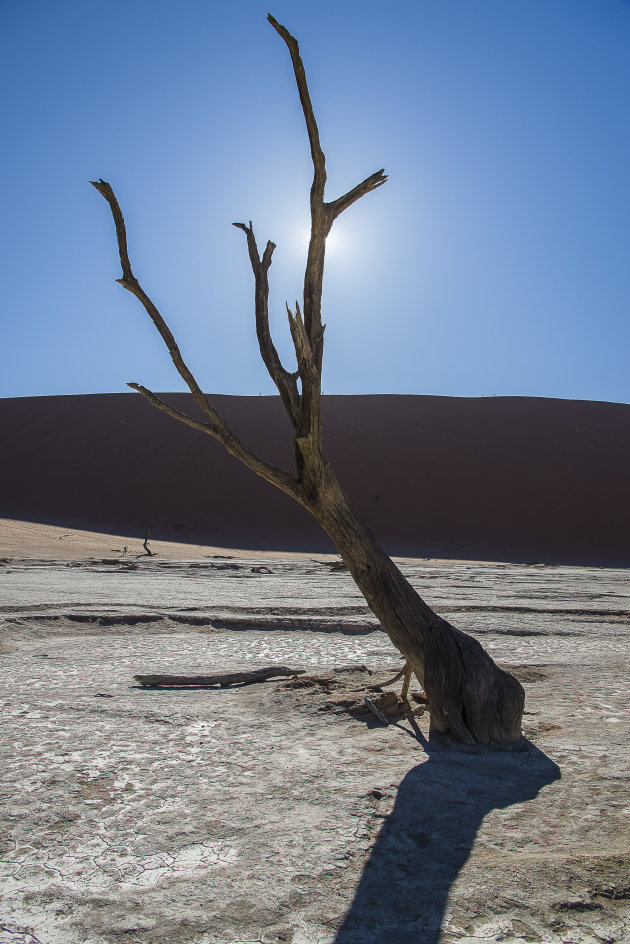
(496, 478)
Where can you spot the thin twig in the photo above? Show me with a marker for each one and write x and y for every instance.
(375, 711)
(396, 678)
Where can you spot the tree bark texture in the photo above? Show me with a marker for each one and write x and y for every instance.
(469, 697)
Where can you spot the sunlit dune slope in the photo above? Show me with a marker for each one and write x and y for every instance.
(503, 478)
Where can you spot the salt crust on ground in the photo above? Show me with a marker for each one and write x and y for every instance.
(249, 815)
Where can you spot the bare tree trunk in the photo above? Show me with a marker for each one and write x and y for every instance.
(468, 695)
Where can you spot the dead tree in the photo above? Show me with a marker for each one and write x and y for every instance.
(469, 697)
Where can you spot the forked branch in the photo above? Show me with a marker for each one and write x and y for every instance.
(216, 427)
(323, 216)
(307, 332)
(285, 382)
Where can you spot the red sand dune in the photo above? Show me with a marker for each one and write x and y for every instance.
(498, 478)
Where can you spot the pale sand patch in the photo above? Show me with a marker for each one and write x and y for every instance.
(32, 540)
(35, 541)
(242, 815)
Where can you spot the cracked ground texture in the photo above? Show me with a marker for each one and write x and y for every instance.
(229, 816)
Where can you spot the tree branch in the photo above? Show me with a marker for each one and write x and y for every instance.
(276, 476)
(319, 161)
(321, 220)
(172, 411)
(132, 285)
(366, 186)
(322, 217)
(285, 382)
(217, 427)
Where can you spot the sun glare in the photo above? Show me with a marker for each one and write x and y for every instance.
(335, 241)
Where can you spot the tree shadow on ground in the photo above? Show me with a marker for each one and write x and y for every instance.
(423, 844)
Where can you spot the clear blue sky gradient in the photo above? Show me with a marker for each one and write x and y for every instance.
(494, 261)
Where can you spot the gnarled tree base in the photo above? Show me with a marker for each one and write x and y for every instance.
(469, 696)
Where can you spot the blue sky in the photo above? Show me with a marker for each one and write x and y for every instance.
(494, 261)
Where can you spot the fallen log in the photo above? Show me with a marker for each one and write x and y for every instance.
(223, 679)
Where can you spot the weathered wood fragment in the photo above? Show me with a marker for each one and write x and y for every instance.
(223, 679)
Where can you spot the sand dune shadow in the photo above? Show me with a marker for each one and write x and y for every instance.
(426, 840)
